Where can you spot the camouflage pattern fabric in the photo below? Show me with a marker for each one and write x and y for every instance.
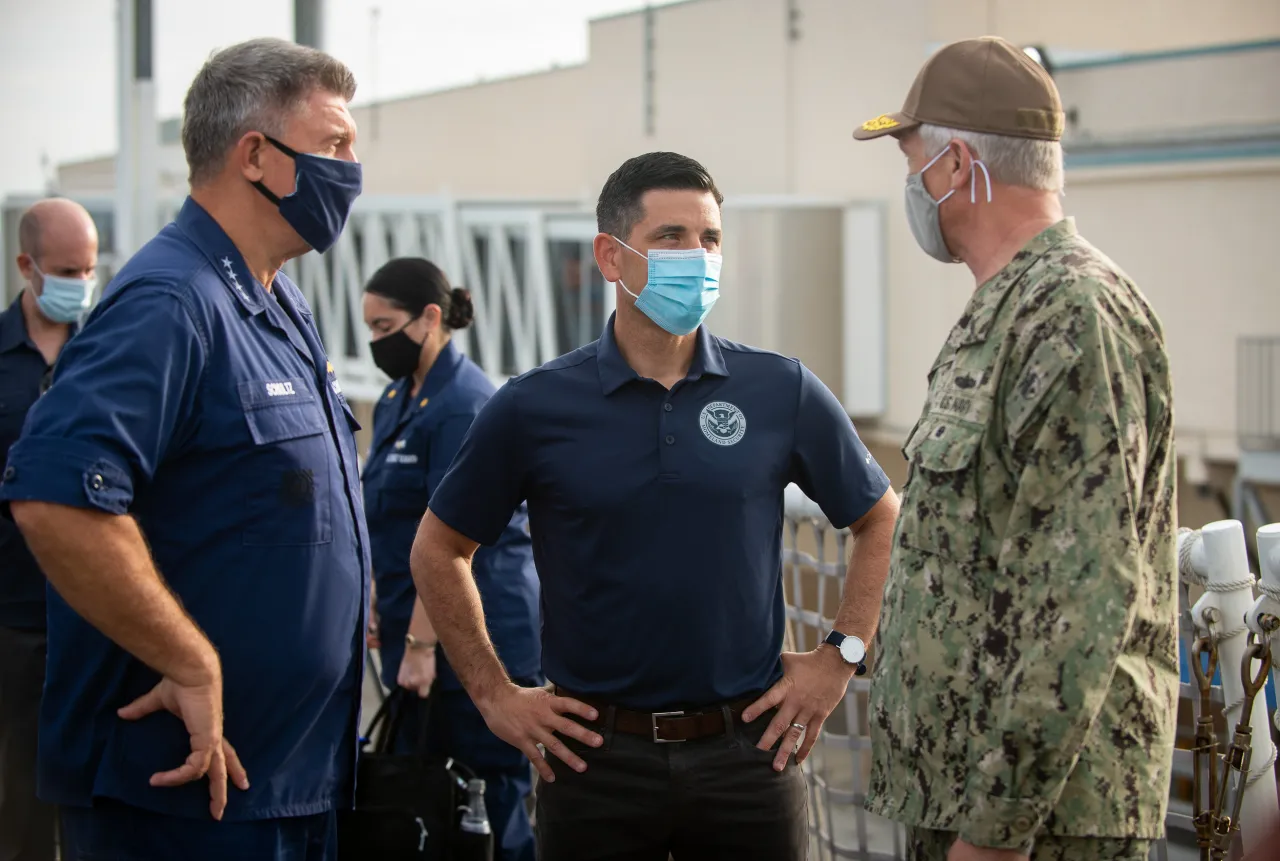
(926, 845)
(1026, 664)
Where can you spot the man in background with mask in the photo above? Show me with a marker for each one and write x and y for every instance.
(57, 256)
(189, 487)
(654, 462)
(1024, 696)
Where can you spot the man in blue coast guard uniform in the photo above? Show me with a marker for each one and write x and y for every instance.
(654, 463)
(189, 486)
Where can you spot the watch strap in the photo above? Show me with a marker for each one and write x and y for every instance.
(835, 638)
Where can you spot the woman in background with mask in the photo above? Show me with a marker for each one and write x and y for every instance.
(418, 426)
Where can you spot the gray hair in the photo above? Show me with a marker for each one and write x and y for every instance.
(1013, 161)
(252, 86)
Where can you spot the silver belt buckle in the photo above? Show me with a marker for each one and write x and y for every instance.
(654, 720)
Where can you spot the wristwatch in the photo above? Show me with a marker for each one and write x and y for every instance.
(412, 642)
(851, 649)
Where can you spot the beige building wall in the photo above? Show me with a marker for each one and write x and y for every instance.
(719, 98)
(524, 137)
(1198, 95)
(782, 284)
(1118, 25)
(770, 115)
(98, 175)
(1198, 240)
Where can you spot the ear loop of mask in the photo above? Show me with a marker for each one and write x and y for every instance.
(973, 181)
(625, 288)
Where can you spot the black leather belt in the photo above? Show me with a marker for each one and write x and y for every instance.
(666, 727)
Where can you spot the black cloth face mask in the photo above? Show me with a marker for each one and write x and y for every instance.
(396, 355)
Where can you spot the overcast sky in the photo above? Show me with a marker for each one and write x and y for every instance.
(58, 57)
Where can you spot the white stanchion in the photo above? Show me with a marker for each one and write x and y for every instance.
(1265, 615)
(1220, 563)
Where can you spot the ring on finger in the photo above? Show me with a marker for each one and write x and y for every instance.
(798, 726)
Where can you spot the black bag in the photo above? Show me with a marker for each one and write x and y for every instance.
(408, 806)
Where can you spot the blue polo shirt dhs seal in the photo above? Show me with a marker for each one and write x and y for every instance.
(415, 439)
(205, 407)
(657, 515)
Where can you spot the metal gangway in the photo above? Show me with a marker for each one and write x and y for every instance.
(1219, 609)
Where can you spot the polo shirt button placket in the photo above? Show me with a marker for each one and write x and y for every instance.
(666, 439)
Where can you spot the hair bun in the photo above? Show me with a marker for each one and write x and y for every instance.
(461, 311)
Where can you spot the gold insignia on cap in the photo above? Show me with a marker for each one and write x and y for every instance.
(880, 123)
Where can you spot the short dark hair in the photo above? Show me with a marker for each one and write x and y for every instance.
(413, 283)
(619, 207)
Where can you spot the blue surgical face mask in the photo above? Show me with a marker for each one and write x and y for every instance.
(923, 214)
(682, 288)
(63, 300)
(325, 191)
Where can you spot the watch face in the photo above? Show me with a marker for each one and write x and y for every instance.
(853, 650)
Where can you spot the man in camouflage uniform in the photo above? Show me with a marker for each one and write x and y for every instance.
(1023, 702)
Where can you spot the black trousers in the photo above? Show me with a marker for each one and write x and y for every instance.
(26, 823)
(703, 800)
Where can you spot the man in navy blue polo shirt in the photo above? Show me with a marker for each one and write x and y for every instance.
(57, 256)
(654, 463)
(189, 487)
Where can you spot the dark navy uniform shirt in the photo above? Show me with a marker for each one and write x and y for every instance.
(657, 515)
(23, 374)
(204, 406)
(415, 438)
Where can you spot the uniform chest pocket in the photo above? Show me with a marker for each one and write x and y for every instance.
(404, 491)
(939, 511)
(287, 499)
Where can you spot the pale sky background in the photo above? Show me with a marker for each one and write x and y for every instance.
(58, 57)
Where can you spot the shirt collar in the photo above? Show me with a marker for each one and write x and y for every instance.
(13, 327)
(227, 261)
(979, 315)
(442, 370)
(616, 373)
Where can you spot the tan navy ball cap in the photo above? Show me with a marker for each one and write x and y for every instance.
(980, 85)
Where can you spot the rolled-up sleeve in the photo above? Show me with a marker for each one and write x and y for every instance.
(122, 396)
(485, 483)
(829, 461)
